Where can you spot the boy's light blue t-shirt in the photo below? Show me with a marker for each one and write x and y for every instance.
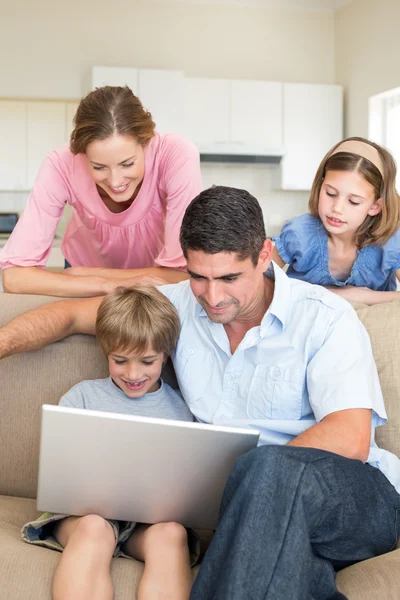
(303, 244)
(104, 395)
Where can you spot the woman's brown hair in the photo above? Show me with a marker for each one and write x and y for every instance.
(375, 229)
(108, 111)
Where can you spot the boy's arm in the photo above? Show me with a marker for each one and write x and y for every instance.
(48, 323)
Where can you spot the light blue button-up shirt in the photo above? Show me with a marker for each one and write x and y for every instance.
(311, 356)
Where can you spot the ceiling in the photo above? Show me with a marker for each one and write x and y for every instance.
(307, 5)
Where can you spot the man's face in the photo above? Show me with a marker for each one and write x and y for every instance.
(227, 288)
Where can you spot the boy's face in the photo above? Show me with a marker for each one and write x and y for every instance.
(136, 375)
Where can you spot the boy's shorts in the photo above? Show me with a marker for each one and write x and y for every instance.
(40, 533)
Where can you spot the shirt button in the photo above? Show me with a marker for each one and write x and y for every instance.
(277, 372)
(191, 351)
(231, 377)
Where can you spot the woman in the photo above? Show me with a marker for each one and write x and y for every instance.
(129, 187)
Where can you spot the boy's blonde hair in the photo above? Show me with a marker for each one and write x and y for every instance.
(136, 319)
(375, 229)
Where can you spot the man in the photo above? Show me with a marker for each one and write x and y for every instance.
(291, 360)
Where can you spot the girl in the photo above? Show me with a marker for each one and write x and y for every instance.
(350, 241)
(129, 187)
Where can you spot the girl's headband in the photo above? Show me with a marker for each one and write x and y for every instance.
(361, 149)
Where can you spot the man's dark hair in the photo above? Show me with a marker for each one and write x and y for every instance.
(224, 219)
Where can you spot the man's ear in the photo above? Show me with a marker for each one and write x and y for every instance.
(266, 252)
(376, 207)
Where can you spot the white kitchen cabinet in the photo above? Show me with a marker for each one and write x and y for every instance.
(29, 130)
(256, 117)
(207, 113)
(234, 117)
(69, 125)
(118, 76)
(161, 92)
(312, 124)
(13, 145)
(45, 131)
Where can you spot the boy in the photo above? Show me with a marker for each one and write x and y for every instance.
(137, 329)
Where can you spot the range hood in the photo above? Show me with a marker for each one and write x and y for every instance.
(240, 153)
(241, 158)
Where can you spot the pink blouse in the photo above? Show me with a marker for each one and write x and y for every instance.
(144, 235)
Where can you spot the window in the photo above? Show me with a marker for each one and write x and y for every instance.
(384, 123)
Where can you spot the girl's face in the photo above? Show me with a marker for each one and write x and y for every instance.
(117, 166)
(136, 375)
(345, 200)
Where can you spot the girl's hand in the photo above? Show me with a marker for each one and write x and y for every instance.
(364, 295)
(352, 293)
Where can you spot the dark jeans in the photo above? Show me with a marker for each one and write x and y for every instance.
(290, 517)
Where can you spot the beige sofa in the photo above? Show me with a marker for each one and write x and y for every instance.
(29, 380)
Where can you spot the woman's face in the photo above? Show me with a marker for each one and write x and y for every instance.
(117, 166)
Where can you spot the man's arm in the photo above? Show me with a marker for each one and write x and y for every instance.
(48, 323)
(346, 432)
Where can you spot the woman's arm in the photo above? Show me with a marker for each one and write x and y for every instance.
(160, 274)
(179, 182)
(33, 280)
(48, 323)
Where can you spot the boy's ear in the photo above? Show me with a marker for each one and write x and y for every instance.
(376, 208)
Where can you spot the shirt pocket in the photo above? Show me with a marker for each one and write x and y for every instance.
(193, 372)
(276, 392)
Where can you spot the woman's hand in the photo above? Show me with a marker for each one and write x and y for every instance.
(129, 277)
(127, 282)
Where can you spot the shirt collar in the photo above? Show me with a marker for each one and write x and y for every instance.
(279, 306)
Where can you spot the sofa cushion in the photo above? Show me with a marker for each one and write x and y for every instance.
(26, 572)
(382, 322)
(372, 579)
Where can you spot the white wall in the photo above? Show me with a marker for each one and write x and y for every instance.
(47, 47)
(367, 44)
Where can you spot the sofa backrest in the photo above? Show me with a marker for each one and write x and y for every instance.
(42, 376)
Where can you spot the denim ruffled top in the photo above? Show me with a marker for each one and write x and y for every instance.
(303, 244)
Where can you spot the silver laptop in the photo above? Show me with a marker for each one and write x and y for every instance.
(135, 468)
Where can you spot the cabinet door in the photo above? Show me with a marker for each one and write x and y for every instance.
(118, 76)
(161, 92)
(45, 131)
(256, 117)
(12, 145)
(70, 113)
(313, 123)
(207, 113)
